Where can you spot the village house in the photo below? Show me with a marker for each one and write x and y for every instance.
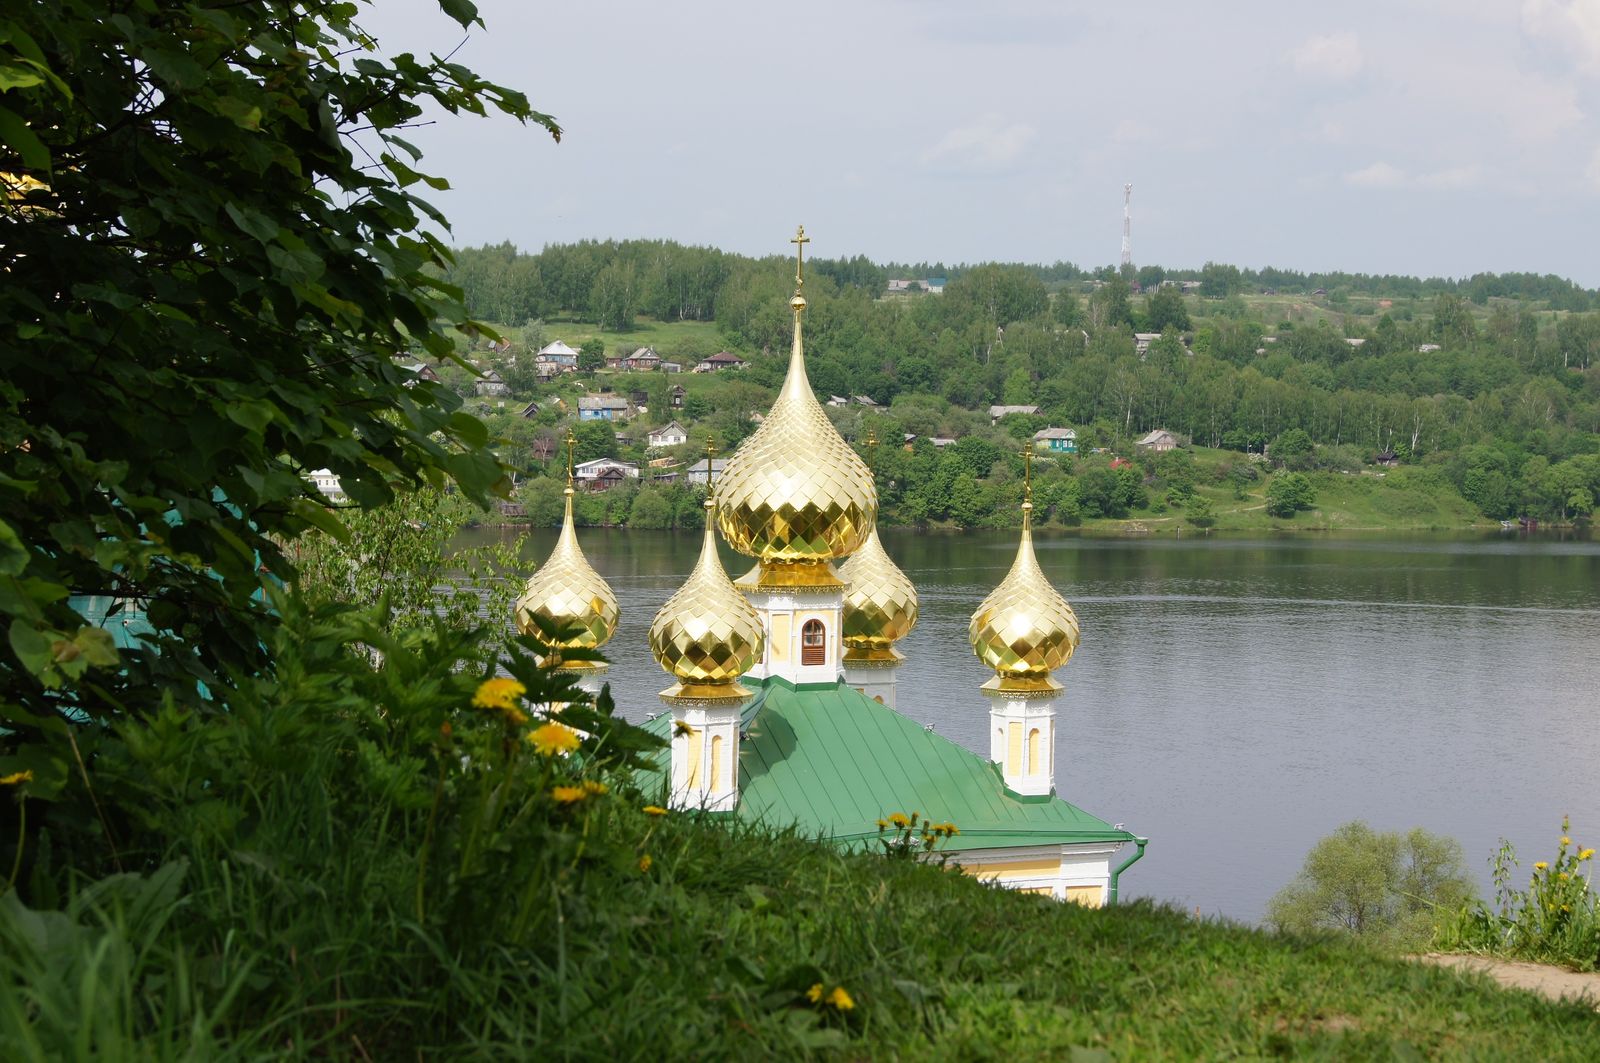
(1387, 458)
(558, 357)
(1429, 348)
(1056, 440)
(489, 383)
(599, 469)
(942, 441)
(696, 472)
(602, 408)
(671, 367)
(327, 482)
(669, 435)
(1159, 441)
(1142, 342)
(675, 397)
(865, 400)
(420, 371)
(529, 411)
(997, 412)
(644, 360)
(838, 400)
(719, 361)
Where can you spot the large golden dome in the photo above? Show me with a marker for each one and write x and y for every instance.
(707, 635)
(1024, 629)
(794, 493)
(568, 591)
(880, 608)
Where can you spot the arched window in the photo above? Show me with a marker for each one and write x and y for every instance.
(813, 643)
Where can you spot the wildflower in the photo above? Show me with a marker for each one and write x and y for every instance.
(645, 862)
(498, 693)
(567, 795)
(1563, 876)
(15, 778)
(595, 789)
(445, 730)
(553, 738)
(814, 994)
(1565, 841)
(654, 810)
(883, 824)
(1586, 854)
(682, 727)
(1540, 865)
(899, 820)
(840, 999)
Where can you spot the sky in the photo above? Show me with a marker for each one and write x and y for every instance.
(1427, 137)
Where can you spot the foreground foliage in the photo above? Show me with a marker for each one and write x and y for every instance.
(1556, 919)
(212, 254)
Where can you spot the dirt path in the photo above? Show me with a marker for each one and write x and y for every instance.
(1553, 982)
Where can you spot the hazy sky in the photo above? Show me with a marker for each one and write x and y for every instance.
(1435, 137)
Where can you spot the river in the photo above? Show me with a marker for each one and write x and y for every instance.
(1236, 699)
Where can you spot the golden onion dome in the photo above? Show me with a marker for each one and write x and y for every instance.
(795, 494)
(1024, 629)
(880, 607)
(707, 635)
(568, 591)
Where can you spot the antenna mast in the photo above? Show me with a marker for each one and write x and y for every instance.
(1127, 226)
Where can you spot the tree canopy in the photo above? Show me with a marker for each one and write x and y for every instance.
(214, 252)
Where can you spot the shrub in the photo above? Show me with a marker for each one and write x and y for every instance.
(1288, 493)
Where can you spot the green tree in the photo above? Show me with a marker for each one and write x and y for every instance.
(1199, 512)
(592, 355)
(1288, 493)
(1219, 280)
(217, 280)
(1166, 308)
(1292, 449)
(1380, 885)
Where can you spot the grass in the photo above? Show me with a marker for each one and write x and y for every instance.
(697, 338)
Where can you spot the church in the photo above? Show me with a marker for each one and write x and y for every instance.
(782, 704)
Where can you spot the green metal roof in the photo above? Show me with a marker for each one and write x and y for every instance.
(833, 762)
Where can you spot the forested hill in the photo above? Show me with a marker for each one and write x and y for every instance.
(1492, 379)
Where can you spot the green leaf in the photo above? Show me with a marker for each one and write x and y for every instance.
(13, 555)
(32, 647)
(253, 222)
(14, 132)
(242, 114)
(320, 517)
(97, 647)
(463, 11)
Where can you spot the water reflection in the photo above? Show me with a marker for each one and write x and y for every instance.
(1237, 699)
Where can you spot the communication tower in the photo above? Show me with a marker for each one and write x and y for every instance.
(1127, 226)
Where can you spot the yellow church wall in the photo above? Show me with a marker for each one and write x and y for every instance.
(1014, 748)
(1088, 896)
(1013, 868)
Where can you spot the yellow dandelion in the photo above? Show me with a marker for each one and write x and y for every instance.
(814, 994)
(645, 862)
(1586, 854)
(840, 999)
(1565, 841)
(1540, 865)
(883, 824)
(654, 810)
(552, 739)
(682, 727)
(567, 795)
(498, 693)
(16, 778)
(1563, 876)
(595, 789)
(899, 820)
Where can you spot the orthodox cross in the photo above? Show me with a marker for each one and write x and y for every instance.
(872, 446)
(800, 240)
(711, 449)
(571, 442)
(1027, 474)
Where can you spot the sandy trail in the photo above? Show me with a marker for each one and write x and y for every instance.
(1553, 982)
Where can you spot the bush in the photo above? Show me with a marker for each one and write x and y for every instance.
(1383, 886)
(1288, 493)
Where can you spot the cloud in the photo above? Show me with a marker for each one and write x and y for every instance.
(1592, 171)
(1574, 25)
(1330, 56)
(1387, 175)
(986, 144)
(1378, 175)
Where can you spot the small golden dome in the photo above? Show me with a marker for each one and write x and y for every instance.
(794, 493)
(566, 590)
(707, 635)
(880, 608)
(1024, 629)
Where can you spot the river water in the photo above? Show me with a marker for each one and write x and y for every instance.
(1237, 699)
